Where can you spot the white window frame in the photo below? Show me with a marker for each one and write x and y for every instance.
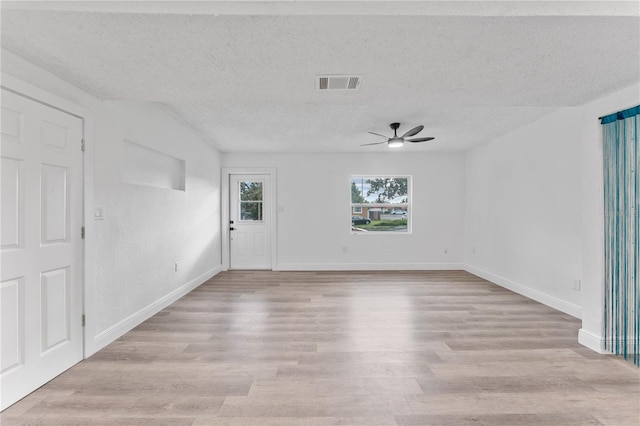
(407, 206)
(356, 209)
(261, 202)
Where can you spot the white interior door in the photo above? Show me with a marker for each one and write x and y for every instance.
(249, 227)
(41, 246)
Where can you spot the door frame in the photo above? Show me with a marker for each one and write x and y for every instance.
(36, 94)
(225, 205)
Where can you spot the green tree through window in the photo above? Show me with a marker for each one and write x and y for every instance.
(388, 189)
(380, 204)
(251, 201)
(356, 195)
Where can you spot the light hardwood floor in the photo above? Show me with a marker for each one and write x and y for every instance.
(354, 348)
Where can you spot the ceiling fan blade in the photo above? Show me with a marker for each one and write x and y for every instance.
(378, 134)
(414, 140)
(375, 143)
(413, 131)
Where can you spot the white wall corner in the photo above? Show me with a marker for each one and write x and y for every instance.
(598, 344)
(107, 336)
(592, 341)
(538, 296)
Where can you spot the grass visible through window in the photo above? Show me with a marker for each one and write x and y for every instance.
(380, 204)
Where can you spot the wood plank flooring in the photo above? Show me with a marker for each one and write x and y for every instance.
(344, 348)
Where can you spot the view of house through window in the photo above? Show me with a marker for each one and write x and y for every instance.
(380, 204)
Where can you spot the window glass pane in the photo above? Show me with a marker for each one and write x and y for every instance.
(250, 211)
(251, 191)
(380, 204)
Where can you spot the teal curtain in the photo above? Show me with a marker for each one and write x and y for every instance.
(622, 230)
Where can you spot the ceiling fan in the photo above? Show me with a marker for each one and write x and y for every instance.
(397, 141)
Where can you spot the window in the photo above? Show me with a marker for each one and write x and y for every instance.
(380, 204)
(250, 201)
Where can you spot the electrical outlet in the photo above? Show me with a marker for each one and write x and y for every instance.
(175, 267)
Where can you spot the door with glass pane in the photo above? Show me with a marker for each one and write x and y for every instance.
(249, 222)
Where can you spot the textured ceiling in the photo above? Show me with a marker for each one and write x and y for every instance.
(242, 73)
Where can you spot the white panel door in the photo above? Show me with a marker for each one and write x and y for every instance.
(249, 227)
(41, 253)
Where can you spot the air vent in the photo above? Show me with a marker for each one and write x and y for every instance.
(338, 82)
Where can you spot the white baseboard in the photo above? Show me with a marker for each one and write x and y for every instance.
(598, 343)
(369, 266)
(538, 296)
(591, 341)
(112, 333)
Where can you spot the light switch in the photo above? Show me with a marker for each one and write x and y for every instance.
(98, 213)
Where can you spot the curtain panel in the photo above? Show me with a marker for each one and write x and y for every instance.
(621, 233)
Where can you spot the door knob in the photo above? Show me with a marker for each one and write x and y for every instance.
(232, 229)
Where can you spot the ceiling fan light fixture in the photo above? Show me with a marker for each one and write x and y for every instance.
(398, 141)
(395, 142)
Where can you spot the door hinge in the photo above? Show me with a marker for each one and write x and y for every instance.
(83, 320)
(82, 145)
(82, 232)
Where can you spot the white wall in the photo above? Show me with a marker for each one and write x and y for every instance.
(147, 229)
(534, 208)
(131, 253)
(313, 193)
(523, 213)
